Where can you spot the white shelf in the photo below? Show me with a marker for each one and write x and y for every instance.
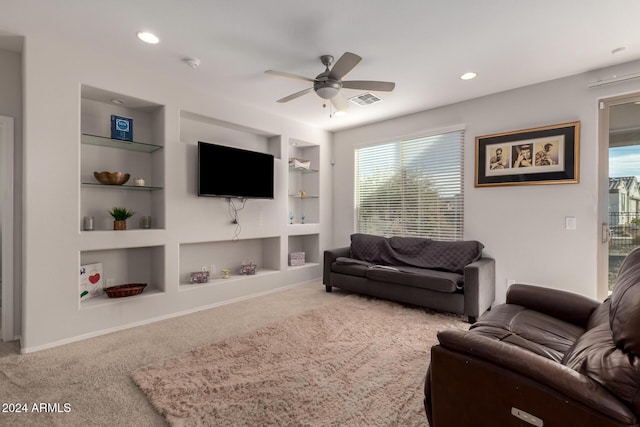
(233, 278)
(121, 187)
(103, 300)
(302, 170)
(121, 239)
(117, 143)
(303, 229)
(302, 267)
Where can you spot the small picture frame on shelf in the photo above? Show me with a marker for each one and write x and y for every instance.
(248, 269)
(91, 282)
(121, 128)
(199, 277)
(296, 259)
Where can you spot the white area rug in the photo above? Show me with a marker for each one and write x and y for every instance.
(355, 362)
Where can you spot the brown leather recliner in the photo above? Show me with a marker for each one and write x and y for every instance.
(544, 358)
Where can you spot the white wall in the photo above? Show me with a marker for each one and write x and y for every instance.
(11, 105)
(522, 227)
(53, 243)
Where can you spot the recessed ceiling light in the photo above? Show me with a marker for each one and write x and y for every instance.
(148, 37)
(468, 76)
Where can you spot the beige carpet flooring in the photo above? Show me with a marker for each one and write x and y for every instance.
(356, 362)
(94, 376)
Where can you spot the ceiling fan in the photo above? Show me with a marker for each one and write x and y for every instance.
(328, 84)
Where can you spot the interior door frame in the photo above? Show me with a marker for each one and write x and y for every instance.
(605, 105)
(7, 221)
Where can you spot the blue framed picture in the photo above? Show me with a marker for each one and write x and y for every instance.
(121, 128)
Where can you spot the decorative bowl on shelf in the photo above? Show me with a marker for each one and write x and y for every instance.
(111, 178)
(127, 290)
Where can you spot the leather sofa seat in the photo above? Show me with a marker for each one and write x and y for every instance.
(529, 329)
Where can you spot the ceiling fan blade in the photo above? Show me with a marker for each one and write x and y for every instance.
(295, 95)
(289, 75)
(369, 85)
(346, 63)
(340, 102)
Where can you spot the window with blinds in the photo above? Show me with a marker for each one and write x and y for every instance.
(412, 188)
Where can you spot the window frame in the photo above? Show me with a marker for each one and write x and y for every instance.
(461, 128)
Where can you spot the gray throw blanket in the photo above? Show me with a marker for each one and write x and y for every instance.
(415, 252)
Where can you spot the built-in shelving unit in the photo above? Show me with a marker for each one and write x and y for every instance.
(135, 255)
(304, 184)
(70, 128)
(202, 234)
(141, 158)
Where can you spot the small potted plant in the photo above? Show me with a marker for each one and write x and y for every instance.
(120, 216)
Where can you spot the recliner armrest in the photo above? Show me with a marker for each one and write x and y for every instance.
(563, 305)
(330, 255)
(545, 372)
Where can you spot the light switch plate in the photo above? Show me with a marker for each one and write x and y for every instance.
(570, 223)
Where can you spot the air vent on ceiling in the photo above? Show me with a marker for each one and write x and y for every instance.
(365, 99)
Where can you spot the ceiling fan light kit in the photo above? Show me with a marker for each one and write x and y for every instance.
(329, 83)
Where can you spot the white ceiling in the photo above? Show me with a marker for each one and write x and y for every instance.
(422, 45)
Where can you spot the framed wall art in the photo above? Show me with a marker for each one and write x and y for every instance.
(543, 155)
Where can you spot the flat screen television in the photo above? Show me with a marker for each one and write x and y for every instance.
(233, 172)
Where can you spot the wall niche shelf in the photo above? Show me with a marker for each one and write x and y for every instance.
(127, 265)
(142, 158)
(264, 252)
(303, 170)
(304, 180)
(307, 243)
(233, 278)
(298, 196)
(103, 300)
(121, 187)
(103, 141)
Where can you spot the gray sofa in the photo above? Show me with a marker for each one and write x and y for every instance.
(445, 276)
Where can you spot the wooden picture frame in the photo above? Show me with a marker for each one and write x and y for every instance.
(542, 155)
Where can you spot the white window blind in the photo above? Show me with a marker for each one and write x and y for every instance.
(412, 188)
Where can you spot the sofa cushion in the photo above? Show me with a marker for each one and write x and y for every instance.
(440, 281)
(537, 332)
(350, 266)
(596, 356)
(415, 252)
(624, 314)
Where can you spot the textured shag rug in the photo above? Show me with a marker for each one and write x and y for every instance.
(356, 362)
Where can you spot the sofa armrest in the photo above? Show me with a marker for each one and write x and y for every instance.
(567, 306)
(479, 286)
(522, 366)
(330, 255)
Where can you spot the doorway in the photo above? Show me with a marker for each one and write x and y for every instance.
(620, 185)
(7, 228)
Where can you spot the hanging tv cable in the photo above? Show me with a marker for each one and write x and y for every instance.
(233, 214)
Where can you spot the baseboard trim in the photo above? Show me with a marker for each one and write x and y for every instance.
(25, 350)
